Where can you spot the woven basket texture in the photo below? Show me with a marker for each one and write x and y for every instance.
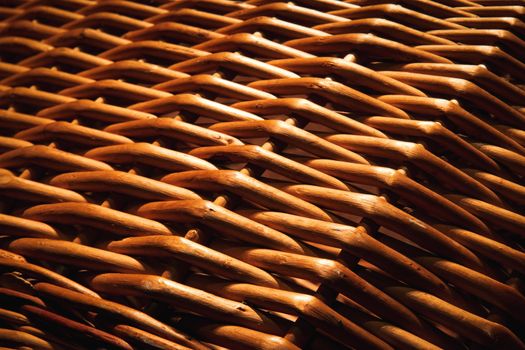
(219, 174)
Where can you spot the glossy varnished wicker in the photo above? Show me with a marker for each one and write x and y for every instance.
(214, 174)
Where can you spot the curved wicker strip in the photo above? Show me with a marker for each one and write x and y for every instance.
(262, 174)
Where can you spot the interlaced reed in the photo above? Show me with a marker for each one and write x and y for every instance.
(214, 174)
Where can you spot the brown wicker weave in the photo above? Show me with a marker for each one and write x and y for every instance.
(219, 174)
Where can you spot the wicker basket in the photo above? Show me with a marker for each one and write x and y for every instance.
(214, 174)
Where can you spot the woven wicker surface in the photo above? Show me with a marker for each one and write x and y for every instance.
(216, 174)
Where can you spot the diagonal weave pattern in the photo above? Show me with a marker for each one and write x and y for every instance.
(214, 174)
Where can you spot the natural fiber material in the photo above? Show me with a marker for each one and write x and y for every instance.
(215, 174)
